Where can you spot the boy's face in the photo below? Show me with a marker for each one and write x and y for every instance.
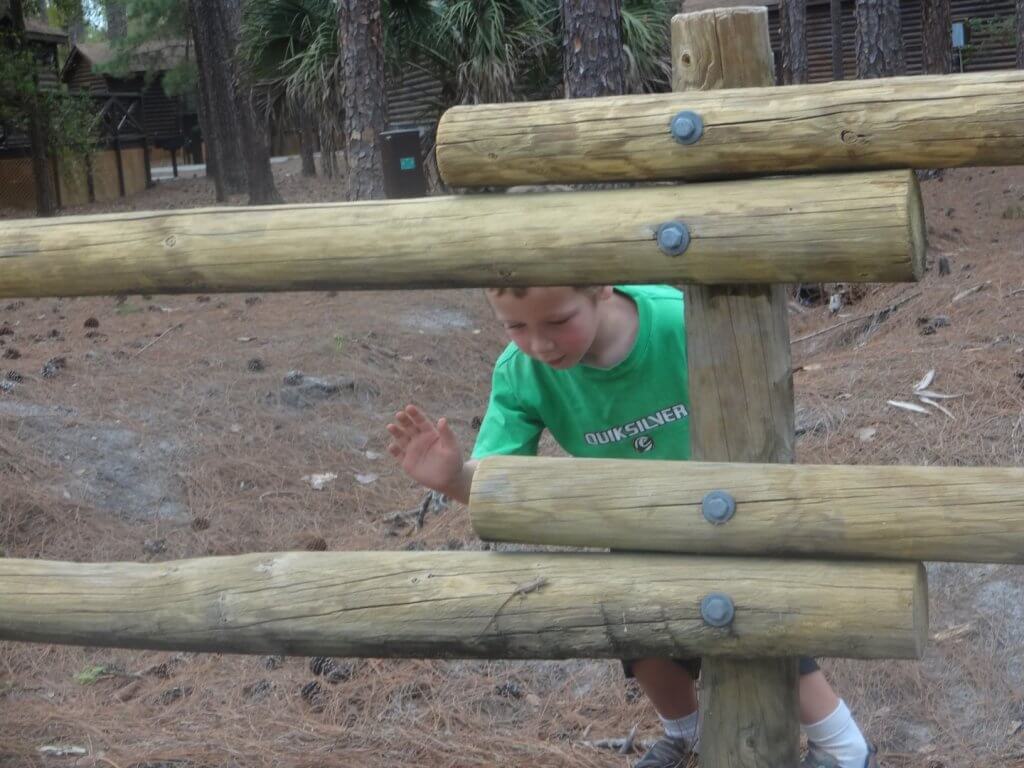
(555, 325)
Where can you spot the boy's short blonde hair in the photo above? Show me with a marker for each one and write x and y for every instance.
(519, 291)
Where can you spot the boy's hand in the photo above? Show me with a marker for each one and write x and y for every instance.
(428, 453)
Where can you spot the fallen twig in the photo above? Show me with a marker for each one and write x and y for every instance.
(965, 293)
(936, 405)
(626, 748)
(154, 341)
(427, 499)
(875, 317)
(954, 633)
(417, 516)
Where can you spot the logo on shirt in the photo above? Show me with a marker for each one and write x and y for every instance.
(634, 430)
(643, 444)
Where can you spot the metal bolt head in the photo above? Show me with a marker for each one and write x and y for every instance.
(673, 238)
(687, 127)
(718, 507)
(717, 610)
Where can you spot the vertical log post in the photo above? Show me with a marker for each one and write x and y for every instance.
(741, 390)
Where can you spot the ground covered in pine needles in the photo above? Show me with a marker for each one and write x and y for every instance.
(152, 428)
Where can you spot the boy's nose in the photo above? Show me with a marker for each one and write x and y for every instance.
(541, 344)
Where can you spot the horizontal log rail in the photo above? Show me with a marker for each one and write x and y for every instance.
(907, 122)
(963, 514)
(857, 227)
(469, 605)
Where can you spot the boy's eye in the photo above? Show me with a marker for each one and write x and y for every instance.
(563, 321)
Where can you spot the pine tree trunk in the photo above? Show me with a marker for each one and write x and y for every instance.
(1020, 34)
(46, 204)
(205, 109)
(879, 39)
(254, 128)
(328, 151)
(210, 155)
(256, 144)
(937, 25)
(307, 141)
(836, 13)
(793, 22)
(594, 64)
(117, 19)
(214, 56)
(364, 100)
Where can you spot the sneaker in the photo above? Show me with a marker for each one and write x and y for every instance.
(818, 758)
(667, 753)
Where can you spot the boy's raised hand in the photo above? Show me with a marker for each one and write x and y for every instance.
(429, 453)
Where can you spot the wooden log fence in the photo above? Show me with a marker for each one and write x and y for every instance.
(939, 121)
(469, 605)
(860, 227)
(956, 514)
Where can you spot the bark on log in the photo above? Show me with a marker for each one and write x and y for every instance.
(910, 122)
(468, 605)
(860, 227)
(958, 514)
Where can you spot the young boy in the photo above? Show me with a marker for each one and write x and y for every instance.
(604, 370)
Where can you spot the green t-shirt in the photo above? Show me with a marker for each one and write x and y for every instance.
(640, 407)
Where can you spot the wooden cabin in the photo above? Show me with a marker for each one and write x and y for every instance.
(170, 123)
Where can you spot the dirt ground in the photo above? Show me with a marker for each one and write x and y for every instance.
(171, 427)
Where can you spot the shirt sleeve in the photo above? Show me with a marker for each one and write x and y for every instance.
(508, 428)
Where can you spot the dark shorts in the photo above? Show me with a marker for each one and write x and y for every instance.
(692, 666)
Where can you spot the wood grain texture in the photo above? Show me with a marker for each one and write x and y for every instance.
(907, 122)
(456, 605)
(753, 713)
(851, 228)
(741, 398)
(957, 514)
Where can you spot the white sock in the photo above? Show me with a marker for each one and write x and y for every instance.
(683, 728)
(839, 735)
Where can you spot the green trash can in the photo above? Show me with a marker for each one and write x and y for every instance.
(402, 157)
